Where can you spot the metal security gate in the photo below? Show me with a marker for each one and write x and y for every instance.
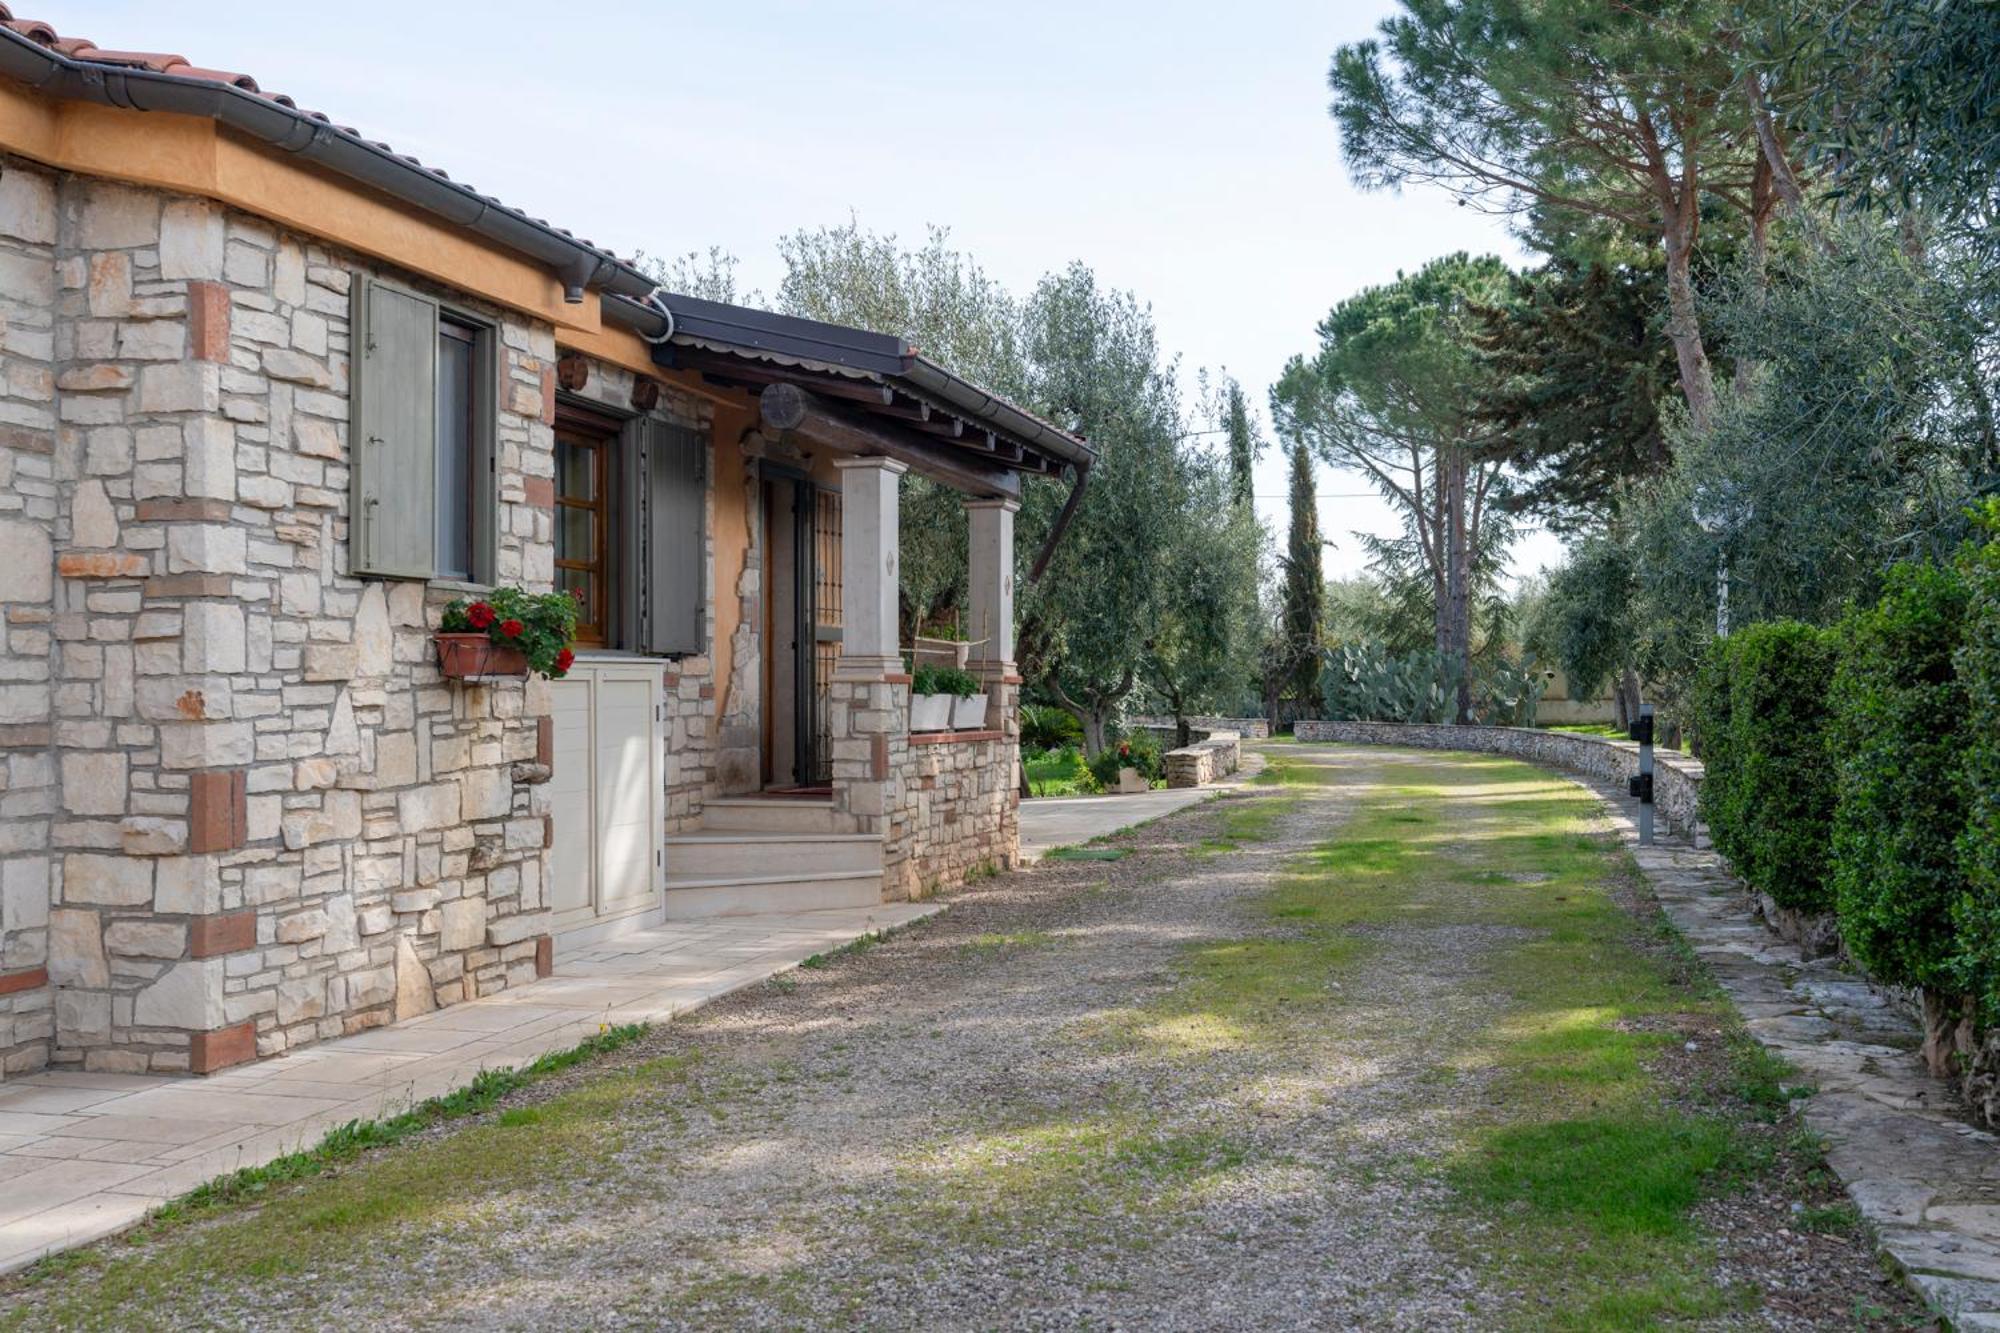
(824, 639)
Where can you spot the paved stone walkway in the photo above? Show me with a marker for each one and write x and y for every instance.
(1927, 1181)
(1049, 822)
(85, 1155)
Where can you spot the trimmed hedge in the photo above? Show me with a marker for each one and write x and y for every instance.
(1978, 662)
(1899, 734)
(1760, 710)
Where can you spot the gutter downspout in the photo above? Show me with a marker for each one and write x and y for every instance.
(578, 266)
(1068, 512)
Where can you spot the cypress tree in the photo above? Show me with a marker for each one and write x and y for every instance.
(1305, 581)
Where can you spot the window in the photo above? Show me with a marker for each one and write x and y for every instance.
(457, 436)
(583, 521)
(420, 438)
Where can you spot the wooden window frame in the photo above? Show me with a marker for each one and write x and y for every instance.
(596, 625)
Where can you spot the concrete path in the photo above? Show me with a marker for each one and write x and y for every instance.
(85, 1155)
(1049, 822)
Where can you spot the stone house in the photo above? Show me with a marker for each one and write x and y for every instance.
(270, 396)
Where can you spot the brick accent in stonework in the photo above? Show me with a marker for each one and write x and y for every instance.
(210, 1051)
(548, 395)
(540, 492)
(208, 321)
(545, 741)
(545, 956)
(222, 933)
(218, 811)
(32, 978)
(24, 736)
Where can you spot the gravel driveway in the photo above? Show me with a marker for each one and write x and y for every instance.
(1017, 1115)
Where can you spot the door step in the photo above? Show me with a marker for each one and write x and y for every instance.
(742, 895)
(767, 814)
(738, 852)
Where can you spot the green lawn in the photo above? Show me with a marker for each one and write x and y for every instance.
(1057, 773)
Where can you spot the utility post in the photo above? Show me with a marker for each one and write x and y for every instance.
(1642, 785)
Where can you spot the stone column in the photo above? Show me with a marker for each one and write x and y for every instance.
(990, 578)
(870, 566)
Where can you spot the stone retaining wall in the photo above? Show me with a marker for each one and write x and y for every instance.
(1676, 776)
(1208, 760)
(1249, 728)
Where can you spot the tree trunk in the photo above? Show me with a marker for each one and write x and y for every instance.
(1093, 721)
(1683, 324)
(1457, 610)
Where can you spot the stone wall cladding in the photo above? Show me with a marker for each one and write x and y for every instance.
(1676, 776)
(946, 806)
(236, 725)
(30, 500)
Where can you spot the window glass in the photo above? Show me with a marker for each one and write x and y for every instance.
(581, 516)
(457, 433)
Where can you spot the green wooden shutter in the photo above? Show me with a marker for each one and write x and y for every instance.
(675, 604)
(392, 431)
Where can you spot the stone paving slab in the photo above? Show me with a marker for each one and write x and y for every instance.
(83, 1155)
(1924, 1178)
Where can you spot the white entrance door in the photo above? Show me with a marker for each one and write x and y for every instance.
(606, 794)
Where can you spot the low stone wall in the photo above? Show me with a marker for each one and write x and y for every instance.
(1205, 761)
(945, 803)
(963, 805)
(1249, 728)
(1676, 776)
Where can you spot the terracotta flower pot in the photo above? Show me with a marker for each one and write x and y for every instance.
(465, 655)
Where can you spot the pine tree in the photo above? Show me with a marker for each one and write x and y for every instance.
(1305, 583)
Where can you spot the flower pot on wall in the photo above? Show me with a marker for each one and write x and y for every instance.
(968, 714)
(464, 655)
(931, 712)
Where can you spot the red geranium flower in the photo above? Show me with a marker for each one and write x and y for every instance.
(563, 659)
(511, 628)
(479, 615)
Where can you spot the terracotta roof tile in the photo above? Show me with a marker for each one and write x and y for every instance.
(83, 49)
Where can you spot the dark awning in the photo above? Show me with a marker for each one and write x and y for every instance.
(870, 380)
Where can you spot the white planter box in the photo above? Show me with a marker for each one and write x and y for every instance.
(969, 714)
(1129, 782)
(931, 712)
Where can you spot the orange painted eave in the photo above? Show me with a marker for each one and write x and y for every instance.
(193, 155)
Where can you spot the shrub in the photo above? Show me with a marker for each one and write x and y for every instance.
(1138, 751)
(1760, 703)
(1048, 728)
(1898, 740)
(944, 680)
(1978, 665)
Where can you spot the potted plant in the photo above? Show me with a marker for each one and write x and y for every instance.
(930, 700)
(968, 710)
(508, 632)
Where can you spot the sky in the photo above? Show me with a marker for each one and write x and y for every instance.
(1185, 158)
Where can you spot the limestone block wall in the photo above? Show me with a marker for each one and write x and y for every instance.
(29, 501)
(1210, 759)
(1249, 728)
(946, 804)
(1676, 776)
(257, 815)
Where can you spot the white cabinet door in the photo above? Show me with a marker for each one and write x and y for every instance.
(606, 793)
